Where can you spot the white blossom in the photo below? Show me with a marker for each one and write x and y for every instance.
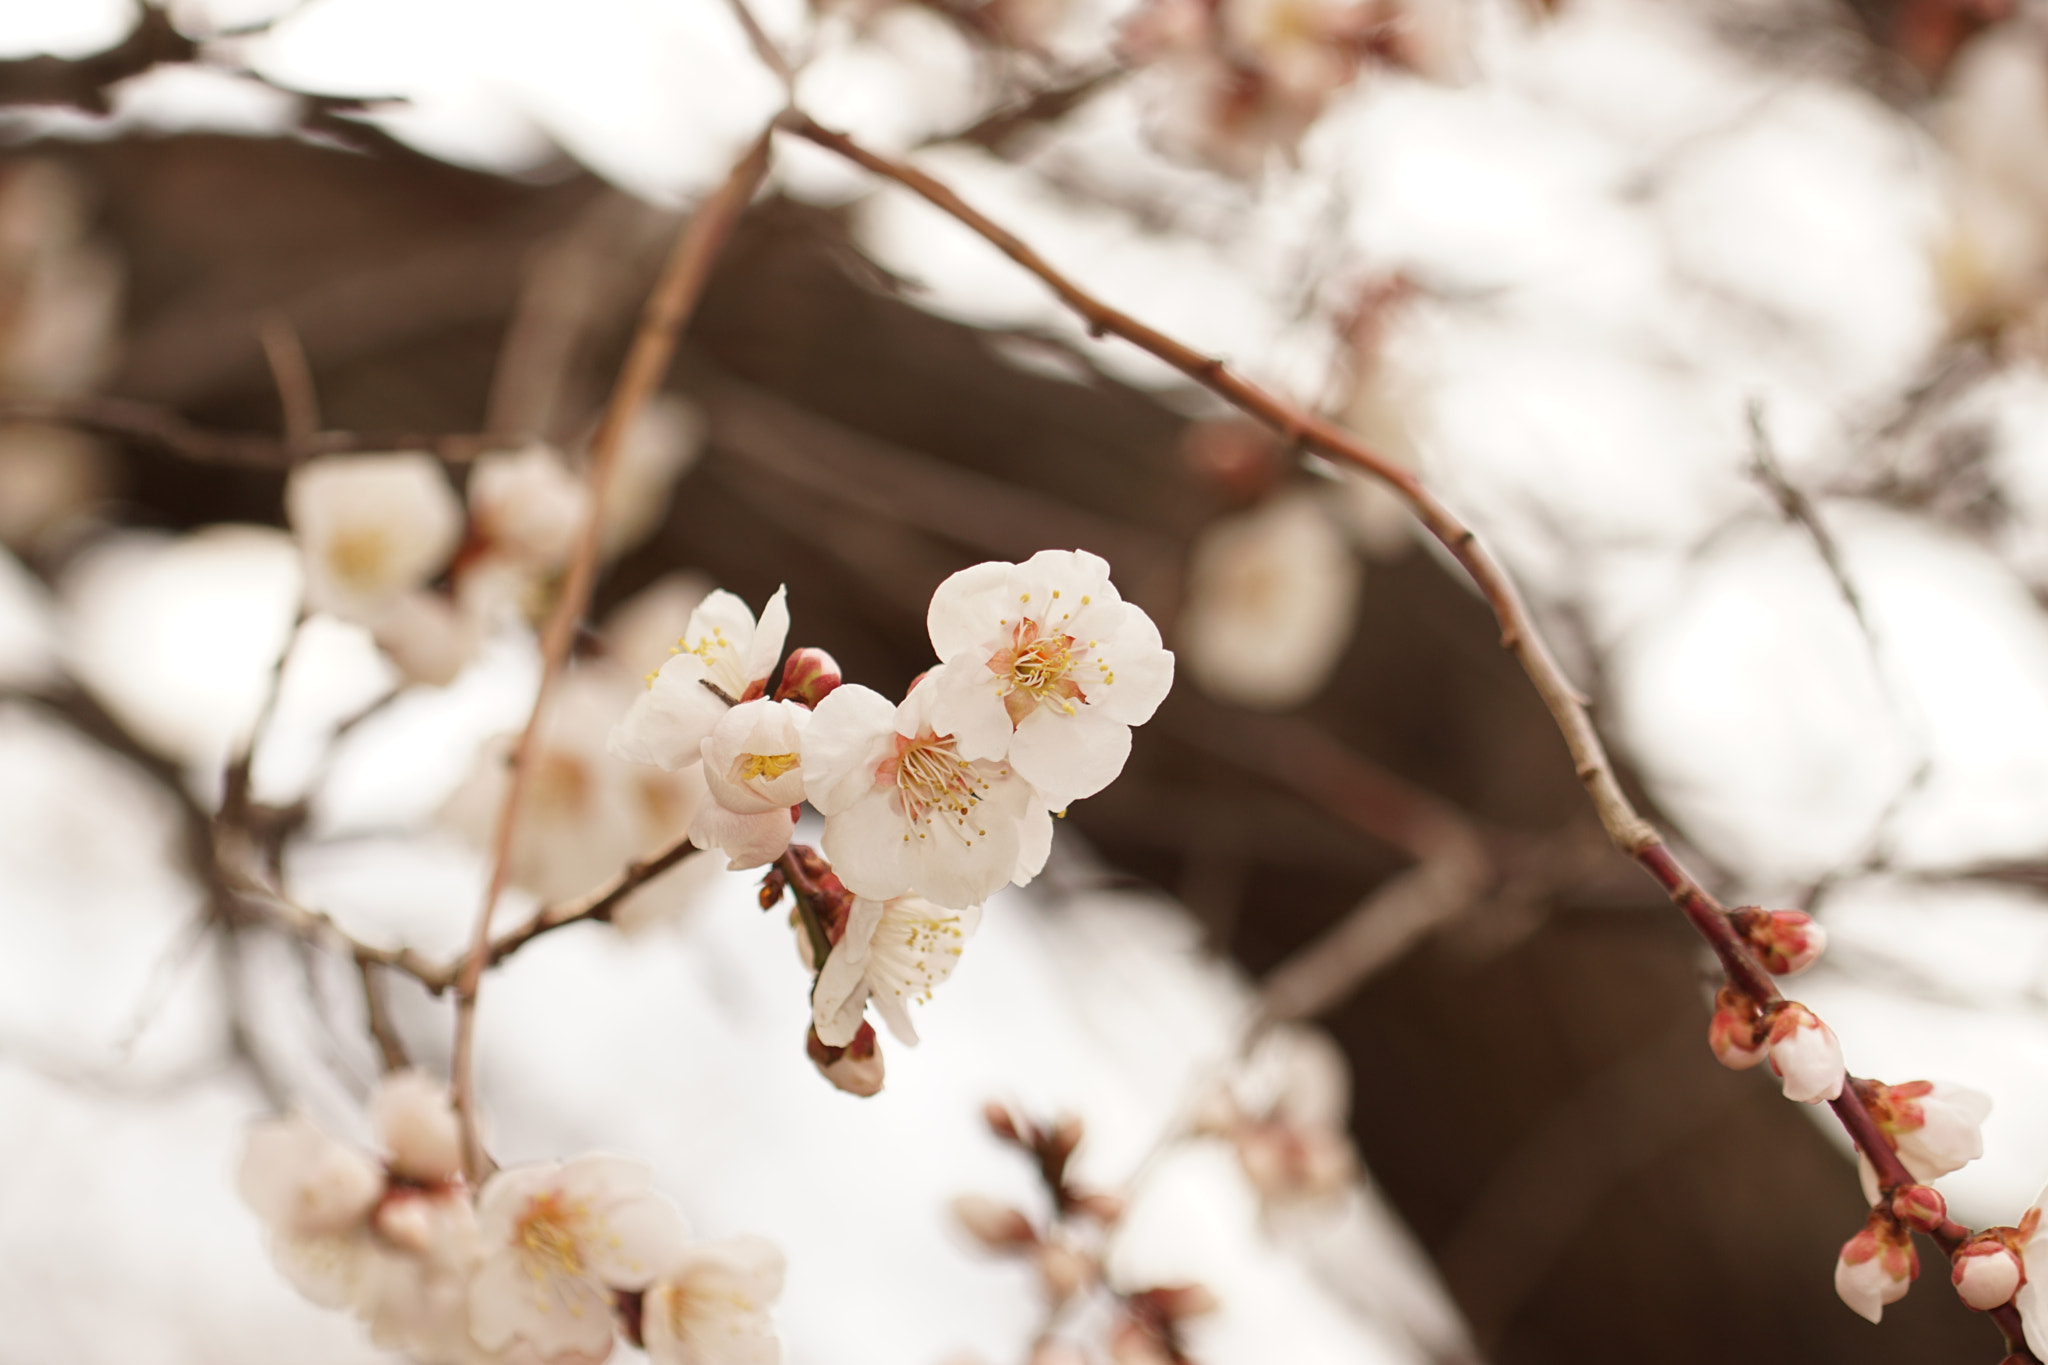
(371, 528)
(1272, 594)
(1806, 1055)
(711, 1307)
(1047, 667)
(558, 1240)
(1986, 1275)
(753, 774)
(303, 1183)
(723, 648)
(528, 505)
(417, 1125)
(1876, 1267)
(906, 813)
(892, 952)
(1936, 1127)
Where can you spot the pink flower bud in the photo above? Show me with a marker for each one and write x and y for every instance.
(1876, 1267)
(1920, 1207)
(1000, 1122)
(808, 677)
(1787, 942)
(1986, 1273)
(1733, 1033)
(855, 1068)
(995, 1225)
(1806, 1055)
(1065, 1270)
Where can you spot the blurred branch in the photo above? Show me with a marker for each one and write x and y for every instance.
(1519, 634)
(997, 129)
(674, 298)
(296, 396)
(377, 1015)
(161, 428)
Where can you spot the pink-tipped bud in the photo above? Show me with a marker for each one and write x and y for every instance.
(1876, 1267)
(855, 1068)
(1177, 1302)
(1935, 1126)
(993, 1223)
(1733, 1033)
(1986, 1273)
(1787, 942)
(808, 677)
(1064, 1270)
(1000, 1122)
(1806, 1055)
(1920, 1207)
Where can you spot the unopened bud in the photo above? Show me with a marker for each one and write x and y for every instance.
(1986, 1273)
(1175, 1302)
(1787, 942)
(417, 1124)
(1920, 1207)
(992, 1223)
(773, 886)
(1000, 1122)
(1806, 1055)
(1876, 1267)
(1737, 1042)
(404, 1220)
(1064, 1270)
(855, 1068)
(808, 677)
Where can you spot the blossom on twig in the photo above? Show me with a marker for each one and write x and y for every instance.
(892, 952)
(1877, 1266)
(1806, 1055)
(724, 657)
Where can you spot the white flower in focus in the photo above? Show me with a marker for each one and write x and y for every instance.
(416, 1123)
(528, 505)
(558, 1239)
(711, 1307)
(1877, 1266)
(906, 813)
(1935, 1127)
(1049, 668)
(724, 649)
(371, 528)
(753, 773)
(1272, 595)
(893, 952)
(1806, 1055)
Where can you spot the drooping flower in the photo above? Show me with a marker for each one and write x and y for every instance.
(1048, 668)
(1935, 1126)
(711, 1307)
(1877, 1266)
(725, 657)
(1806, 1055)
(906, 812)
(371, 528)
(892, 952)
(558, 1240)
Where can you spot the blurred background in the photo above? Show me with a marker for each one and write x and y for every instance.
(1721, 321)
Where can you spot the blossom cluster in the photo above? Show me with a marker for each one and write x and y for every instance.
(544, 1265)
(931, 804)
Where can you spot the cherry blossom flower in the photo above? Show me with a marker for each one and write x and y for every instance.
(1047, 667)
(1272, 594)
(527, 505)
(1806, 1055)
(558, 1239)
(1936, 1127)
(1986, 1273)
(724, 657)
(1877, 1266)
(892, 952)
(906, 812)
(711, 1307)
(371, 528)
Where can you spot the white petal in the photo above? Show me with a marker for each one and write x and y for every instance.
(869, 843)
(841, 992)
(1034, 843)
(957, 872)
(766, 648)
(967, 703)
(746, 840)
(668, 723)
(1142, 667)
(851, 732)
(1069, 757)
(965, 609)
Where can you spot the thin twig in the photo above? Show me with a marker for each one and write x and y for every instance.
(674, 298)
(1519, 634)
(163, 429)
(293, 374)
(377, 1014)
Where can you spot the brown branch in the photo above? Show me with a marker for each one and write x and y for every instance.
(161, 428)
(377, 1015)
(597, 904)
(668, 307)
(1519, 634)
(292, 373)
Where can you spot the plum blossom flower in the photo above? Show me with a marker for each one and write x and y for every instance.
(1935, 1126)
(711, 1307)
(724, 657)
(371, 527)
(1272, 594)
(753, 770)
(1048, 668)
(906, 812)
(892, 952)
(1877, 1266)
(1806, 1055)
(527, 505)
(558, 1240)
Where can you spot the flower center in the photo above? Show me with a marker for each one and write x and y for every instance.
(359, 555)
(1036, 669)
(767, 767)
(932, 779)
(547, 1232)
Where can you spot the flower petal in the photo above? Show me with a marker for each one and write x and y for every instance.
(1069, 757)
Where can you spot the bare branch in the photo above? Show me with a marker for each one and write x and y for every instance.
(163, 429)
